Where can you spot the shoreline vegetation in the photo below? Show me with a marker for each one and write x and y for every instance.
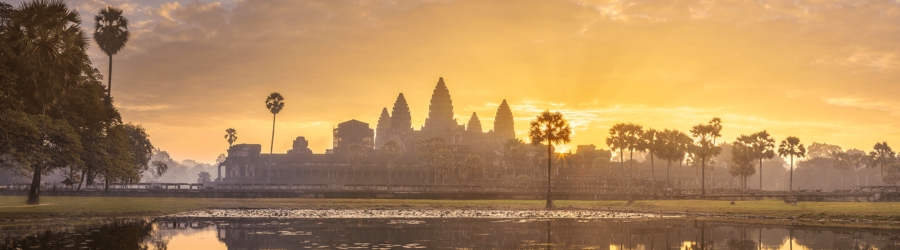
(62, 212)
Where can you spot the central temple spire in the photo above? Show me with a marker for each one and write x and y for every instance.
(440, 112)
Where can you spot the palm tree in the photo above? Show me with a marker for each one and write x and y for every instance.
(791, 147)
(704, 149)
(616, 141)
(716, 126)
(111, 34)
(391, 151)
(651, 141)
(52, 56)
(762, 147)
(668, 149)
(882, 155)
(275, 102)
(554, 129)
(841, 161)
(231, 136)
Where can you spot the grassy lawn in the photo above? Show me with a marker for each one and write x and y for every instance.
(82, 208)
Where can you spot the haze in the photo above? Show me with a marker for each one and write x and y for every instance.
(825, 72)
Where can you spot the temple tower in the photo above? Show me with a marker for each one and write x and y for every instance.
(504, 127)
(440, 112)
(383, 129)
(474, 125)
(401, 121)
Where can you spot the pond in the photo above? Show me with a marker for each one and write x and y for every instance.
(458, 233)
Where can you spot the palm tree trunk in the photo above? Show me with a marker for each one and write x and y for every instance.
(271, 145)
(791, 182)
(652, 173)
(668, 166)
(34, 191)
(703, 178)
(109, 81)
(760, 174)
(549, 167)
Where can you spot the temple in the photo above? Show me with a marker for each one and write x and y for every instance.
(247, 164)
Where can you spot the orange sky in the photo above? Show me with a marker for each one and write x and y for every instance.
(825, 71)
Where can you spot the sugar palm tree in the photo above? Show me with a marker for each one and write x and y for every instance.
(52, 56)
(275, 102)
(231, 136)
(792, 147)
(616, 141)
(111, 34)
(704, 149)
(553, 129)
(668, 149)
(761, 146)
(882, 155)
(651, 141)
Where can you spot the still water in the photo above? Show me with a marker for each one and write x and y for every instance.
(452, 234)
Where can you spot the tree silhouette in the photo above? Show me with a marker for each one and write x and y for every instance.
(882, 155)
(742, 156)
(704, 149)
(391, 151)
(671, 148)
(427, 154)
(792, 147)
(231, 136)
(553, 129)
(275, 102)
(841, 161)
(111, 34)
(204, 177)
(651, 142)
(473, 167)
(760, 146)
(626, 137)
(356, 153)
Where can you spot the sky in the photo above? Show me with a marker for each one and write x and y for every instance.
(824, 71)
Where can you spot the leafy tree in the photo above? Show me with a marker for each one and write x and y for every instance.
(742, 157)
(142, 150)
(821, 150)
(274, 103)
(514, 155)
(427, 154)
(111, 34)
(443, 164)
(204, 177)
(882, 155)
(356, 153)
(602, 163)
(553, 129)
(473, 167)
(841, 161)
(231, 136)
(704, 149)
(391, 151)
(792, 147)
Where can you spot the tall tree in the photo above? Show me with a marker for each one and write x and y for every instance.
(704, 149)
(841, 161)
(792, 147)
(473, 167)
(427, 155)
(111, 34)
(391, 151)
(761, 146)
(715, 124)
(231, 136)
(626, 136)
(553, 129)
(671, 149)
(275, 102)
(882, 155)
(651, 141)
(617, 141)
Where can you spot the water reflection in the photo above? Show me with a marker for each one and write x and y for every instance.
(452, 234)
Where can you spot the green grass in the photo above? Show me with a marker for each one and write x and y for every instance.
(71, 209)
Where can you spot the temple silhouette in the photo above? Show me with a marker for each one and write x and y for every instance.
(246, 163)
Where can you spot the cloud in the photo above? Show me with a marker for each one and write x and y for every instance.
(824, 71)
